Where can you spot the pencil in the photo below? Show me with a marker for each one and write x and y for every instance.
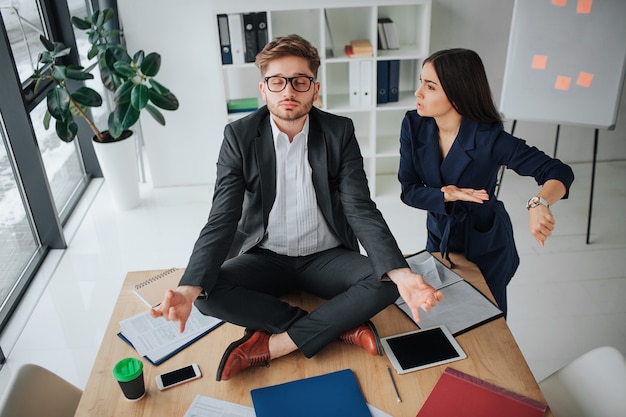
(393, 384)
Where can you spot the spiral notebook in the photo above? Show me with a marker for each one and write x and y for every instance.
(152, 290)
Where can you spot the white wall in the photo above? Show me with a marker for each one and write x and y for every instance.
(185, 151)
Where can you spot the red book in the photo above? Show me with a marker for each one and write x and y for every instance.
(461, 395)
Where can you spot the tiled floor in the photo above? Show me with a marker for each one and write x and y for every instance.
(565, 299)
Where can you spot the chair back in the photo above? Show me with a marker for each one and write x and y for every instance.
(593, 385)
(35, 392)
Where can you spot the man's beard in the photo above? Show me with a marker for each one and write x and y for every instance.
(291, 115)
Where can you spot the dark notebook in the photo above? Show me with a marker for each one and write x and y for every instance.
(336, 394)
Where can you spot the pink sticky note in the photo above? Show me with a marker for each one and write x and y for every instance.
(584, 79)
(562, 82)
(584, 6)
(559, 2)
(540, 61)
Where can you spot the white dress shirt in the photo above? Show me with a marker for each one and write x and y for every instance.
(296, 226)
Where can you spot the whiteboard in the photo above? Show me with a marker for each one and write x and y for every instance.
(565, 62)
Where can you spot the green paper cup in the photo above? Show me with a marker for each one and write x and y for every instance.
(129, 374)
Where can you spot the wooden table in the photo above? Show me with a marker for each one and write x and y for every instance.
(492, 354)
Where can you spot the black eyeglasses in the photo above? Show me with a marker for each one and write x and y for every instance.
(300, 83)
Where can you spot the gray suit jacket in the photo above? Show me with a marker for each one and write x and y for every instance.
(245, 190)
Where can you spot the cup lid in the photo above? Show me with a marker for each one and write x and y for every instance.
(127, 369)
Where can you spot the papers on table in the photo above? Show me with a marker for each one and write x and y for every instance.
(203, 406)
(158, 339)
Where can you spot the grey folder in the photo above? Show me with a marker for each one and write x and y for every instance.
(463, 308)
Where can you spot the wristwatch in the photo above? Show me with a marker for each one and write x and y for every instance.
(203, 295)
(535, 201)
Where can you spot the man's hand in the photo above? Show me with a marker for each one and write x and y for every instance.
(176, 305)
(416, 292)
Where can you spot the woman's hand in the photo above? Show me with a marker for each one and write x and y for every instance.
(454, 193)
(541, 223)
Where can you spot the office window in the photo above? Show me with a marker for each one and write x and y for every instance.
(23, 25)
(62, 160)
(18, 241)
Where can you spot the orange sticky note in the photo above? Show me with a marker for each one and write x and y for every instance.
(540, 61)
(559, 2)
(562, 82)
(584, 79)
(584, 6)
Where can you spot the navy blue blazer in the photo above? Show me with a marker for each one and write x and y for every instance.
(483, 232)
(245, 190)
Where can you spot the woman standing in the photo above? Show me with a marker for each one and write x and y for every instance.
(451, 148)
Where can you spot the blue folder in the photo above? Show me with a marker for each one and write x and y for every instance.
(336, 394)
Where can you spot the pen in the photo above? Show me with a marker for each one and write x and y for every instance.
(393, 384)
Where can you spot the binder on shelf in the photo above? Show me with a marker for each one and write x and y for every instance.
(336, 394)
(239, 105)
(250, 38)
(224, 35)
(366, 82)
(461, 395)
(382, 82)
(260, 19)
(235, 27)
(382, 39)
(394, 80)
(152, 290)
(391, 35)
(354, 83)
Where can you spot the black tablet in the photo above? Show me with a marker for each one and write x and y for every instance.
(419, 349)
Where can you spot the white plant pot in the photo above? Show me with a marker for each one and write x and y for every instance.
(118, 161)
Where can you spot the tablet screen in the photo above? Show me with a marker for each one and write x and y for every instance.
(421, 349)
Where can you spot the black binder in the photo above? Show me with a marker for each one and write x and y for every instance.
(382, 81)
(261, 30)
(250, 37)
(394, 80)
(222, 25)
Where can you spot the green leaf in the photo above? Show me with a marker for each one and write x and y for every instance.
(87, 96)
(58, 73)
(108, 14)
(123, 117)
(124, 69)
(61, 51)
(138, 57)
(78, 73)
(154, 112)
(123, 94)
(139, 96)
(115, 54)
(80, 23)
(115, 129)
(165, 101)
(93, 51)
(46, 43)
(58, 101)
(159, 88)
(151, 64)
(99, 20)
(46, 120)
(66, 129)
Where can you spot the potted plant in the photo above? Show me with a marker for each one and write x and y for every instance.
(131, 79)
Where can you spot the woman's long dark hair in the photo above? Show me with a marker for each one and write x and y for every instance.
(463, 79)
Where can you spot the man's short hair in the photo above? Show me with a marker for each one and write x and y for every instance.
(290, 45)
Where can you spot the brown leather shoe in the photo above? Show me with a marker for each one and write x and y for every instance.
(251, 350)
(364, 336)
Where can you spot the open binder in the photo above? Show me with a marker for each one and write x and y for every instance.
(463, 308)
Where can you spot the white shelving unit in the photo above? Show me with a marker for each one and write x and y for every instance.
(330, 26)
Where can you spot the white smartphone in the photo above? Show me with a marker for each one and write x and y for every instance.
(178, 376)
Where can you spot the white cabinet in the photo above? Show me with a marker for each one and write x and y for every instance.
(330, 26)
